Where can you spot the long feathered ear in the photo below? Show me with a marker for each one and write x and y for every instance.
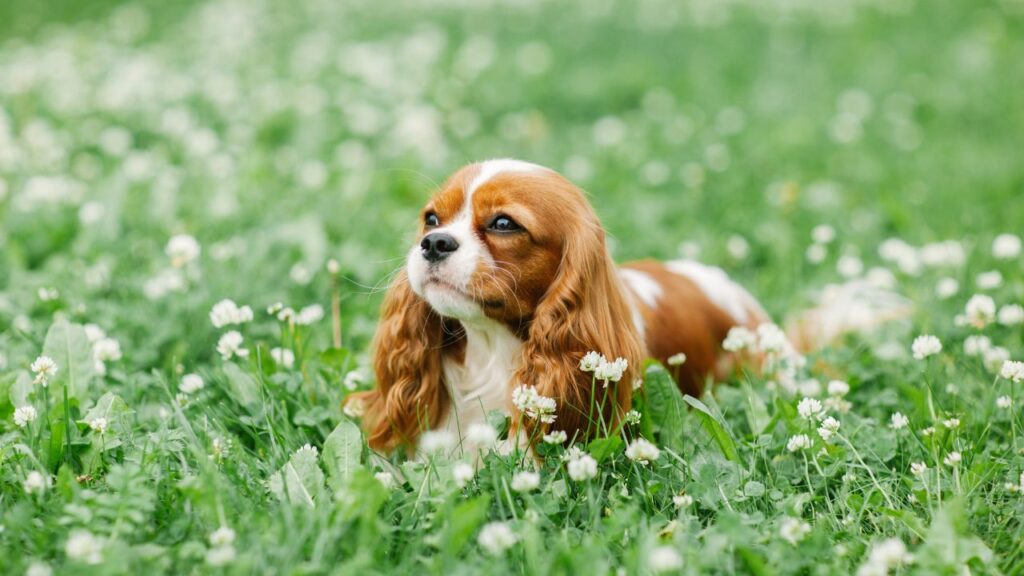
(584, 310)
(410, 395)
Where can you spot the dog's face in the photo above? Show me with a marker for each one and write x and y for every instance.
(491, 241)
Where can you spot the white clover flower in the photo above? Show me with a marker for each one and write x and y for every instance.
(989, 280)
(918, 468)
(47, 294)
(946, 288)
(434, 441)
(816, 253)
(353, 379)
(823, 234)
(898, 421)
(525, 481)
(1011, 315)
(838, 388)
(528, 401)
(980, 310)
(677, 359)
(810, 409)
(37, 568)
(462, 473)
(829, 427)
(481, 435)
(925, 346)
(809, 387)
(1006, 247)
(230, 346)
(928, 431)
(99, 424)
(642, 451)
(219, 447)
(849, 266)
(951, 423)
(283, 357)
(496, 537)
(220, 556)
(798, 442)
(333, 267)
(1004, 402)
(739, 338)
(106, 350)
(45, 369)
(35, 483)
(222, 536)
(387, 479)
(977, 345)
(611, 371)
(952, 459)
(633, 417)
(582, 467)
(182, 250)
(837, 404)
(591, 360)
(682, 500)
(664, 559)
(25, 414)
(354, 408)
(310, 315)
(83, 547)
(227, 313)
(771, 339)
(885, 556)
(308, 449)
(94, 333)
(793, 530)
(556, 437)
(1012, 370)
(995, 358)
(191, 383)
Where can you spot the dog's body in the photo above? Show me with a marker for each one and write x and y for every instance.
(510, 284)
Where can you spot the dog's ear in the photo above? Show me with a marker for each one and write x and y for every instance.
(584, 310)
(410, 394)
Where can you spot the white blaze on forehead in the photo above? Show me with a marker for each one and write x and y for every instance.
(492, 168)
(717, 286)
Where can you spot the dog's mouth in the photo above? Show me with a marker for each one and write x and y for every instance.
(445, 285)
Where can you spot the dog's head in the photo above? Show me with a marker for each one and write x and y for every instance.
(514, 243)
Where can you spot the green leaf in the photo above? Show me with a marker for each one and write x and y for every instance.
(757, 412)
(602, 448)
(69, 347)
(754, 489)
(244, 388)
(463, 521)
(21, 389)
(664, 405)
(714, 426)
(109, 406)
(343, 452)
(298, 481)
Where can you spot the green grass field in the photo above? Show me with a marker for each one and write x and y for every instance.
(157, 158)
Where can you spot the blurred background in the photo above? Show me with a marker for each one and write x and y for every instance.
(282, 134)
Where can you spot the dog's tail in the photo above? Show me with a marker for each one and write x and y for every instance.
(857, 306)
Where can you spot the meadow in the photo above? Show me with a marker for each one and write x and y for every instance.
(201, 204)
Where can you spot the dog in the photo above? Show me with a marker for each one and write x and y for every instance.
(510, 284)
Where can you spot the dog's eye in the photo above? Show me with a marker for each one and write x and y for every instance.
(431, 220)
(504, 224)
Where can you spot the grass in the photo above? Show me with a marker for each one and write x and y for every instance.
(284, 134)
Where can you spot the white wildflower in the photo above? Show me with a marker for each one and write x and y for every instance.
(771, 339)
(739, 338)
(83, 547)
(462, 473)
(220, 556)
(182, 250)
(45, 369)
(525, 481)
(989, 280)
(642, 451)
(677, 359)
(633, 417)
(99, 424)
(25, 414)
(106, 350)
(928, 431)
(283, 357)
(951, 423)
(1012, 370)
(227, 313)
(849, 266)
(898, 421)
(664, 559)
(918, 468)
(823, 234)
(946, 288)
(35, 483)
(496, 537)
(925, 346)
(952, 459)
(611, 371)
(556, 437)
(434, 441)
(591, 361)
(353, 379)
(816, 253)
(387, 479)
(977, 345)
(1004, 402)
(885, 556)
(980, 310)
(222, 536)
(310, 315)
(354, 408)
(838, 388)
(810, 409)
(793, 530)
(191, 383)
(829, 427)
(682, 500)
(1011, 315)
(230, 345)
(582, 467)
(37, 568)
(1006, 246)
(995, 358)
(528, 401)
(798, 442)
(481, 435)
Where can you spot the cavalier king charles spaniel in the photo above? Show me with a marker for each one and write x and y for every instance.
(510, 283)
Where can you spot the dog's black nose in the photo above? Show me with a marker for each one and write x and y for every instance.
(437, 246)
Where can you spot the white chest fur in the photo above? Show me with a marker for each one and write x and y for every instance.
(481, 383)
